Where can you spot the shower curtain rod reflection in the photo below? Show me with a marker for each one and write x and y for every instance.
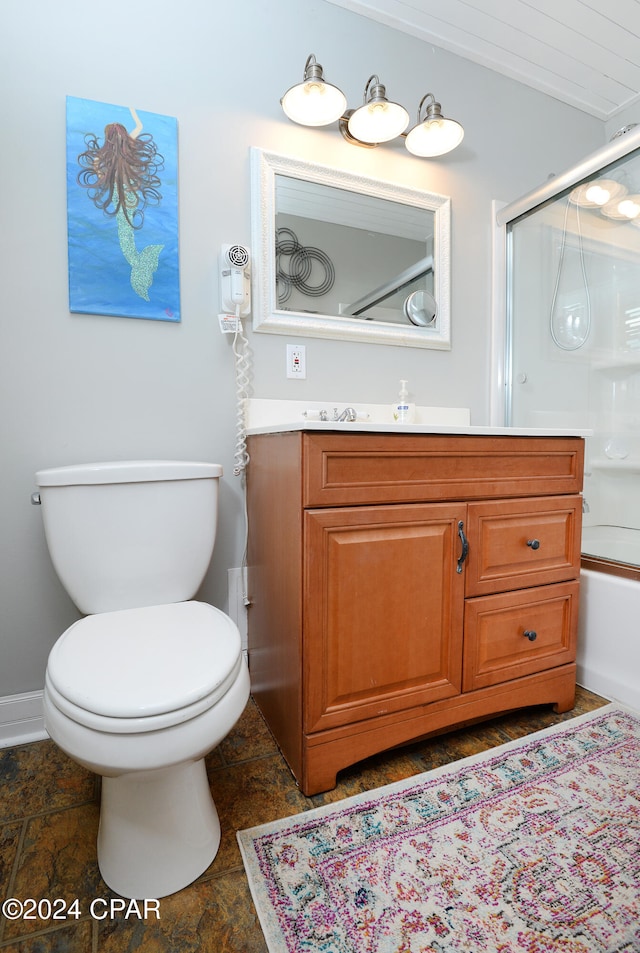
(421, 267)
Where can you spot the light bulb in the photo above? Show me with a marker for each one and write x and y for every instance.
(378, 122)
(435, 137)
(597, 195)
(314, 103)
(629, 208)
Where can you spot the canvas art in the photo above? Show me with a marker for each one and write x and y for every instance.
(122, 210)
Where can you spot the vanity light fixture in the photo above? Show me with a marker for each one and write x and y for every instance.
(624, 208)
(434, 135)
(630, 207)
(597, 193)
(377, 120)
(607, 197)
(316, 103)
(610, 198)
(313, 102)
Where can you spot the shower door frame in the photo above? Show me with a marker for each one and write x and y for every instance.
(501, 351)
(503, 215)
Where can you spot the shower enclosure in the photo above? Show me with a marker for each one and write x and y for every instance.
(572, 339)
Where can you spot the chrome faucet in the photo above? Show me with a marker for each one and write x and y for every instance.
(347, 414)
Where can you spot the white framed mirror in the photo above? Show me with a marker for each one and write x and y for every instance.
(339, 255)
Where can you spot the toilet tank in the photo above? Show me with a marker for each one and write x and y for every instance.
(132, 533)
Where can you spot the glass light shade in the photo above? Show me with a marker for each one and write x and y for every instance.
(314, 103)
(623, 209)
(434, 137)
(598, 194)
(630, 207)
(379, 121)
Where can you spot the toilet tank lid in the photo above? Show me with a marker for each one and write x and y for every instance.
(128, 471)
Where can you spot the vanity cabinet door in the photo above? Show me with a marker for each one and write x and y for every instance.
(383, 610)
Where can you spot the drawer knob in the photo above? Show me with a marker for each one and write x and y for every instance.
(533, 543)
(530, 634)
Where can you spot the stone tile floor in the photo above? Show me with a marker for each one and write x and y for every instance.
(49, 810)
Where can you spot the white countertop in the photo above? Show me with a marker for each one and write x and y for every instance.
(280, 416)
(416, 428)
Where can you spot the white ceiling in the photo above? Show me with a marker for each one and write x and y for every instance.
(583, 52)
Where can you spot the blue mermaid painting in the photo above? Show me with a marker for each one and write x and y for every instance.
(122, 211)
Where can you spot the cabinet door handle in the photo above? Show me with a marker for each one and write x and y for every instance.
(530, 634)
(465, 546)
(533, 543)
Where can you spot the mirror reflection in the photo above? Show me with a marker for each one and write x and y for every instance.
(344, 256)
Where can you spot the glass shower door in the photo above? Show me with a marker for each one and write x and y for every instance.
(573, 265)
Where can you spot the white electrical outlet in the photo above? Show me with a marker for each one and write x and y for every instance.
(296, 361)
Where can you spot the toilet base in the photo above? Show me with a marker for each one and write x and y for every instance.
(159, 830)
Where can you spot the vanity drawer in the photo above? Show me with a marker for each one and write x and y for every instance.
(342, 469)
(519, 543)
(510, 635)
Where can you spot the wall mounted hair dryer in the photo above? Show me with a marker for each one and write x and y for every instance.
(235, 280)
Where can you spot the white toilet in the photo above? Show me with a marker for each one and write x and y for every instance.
(148, 683)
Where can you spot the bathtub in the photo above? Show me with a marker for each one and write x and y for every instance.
(620, 543)
(608, 657)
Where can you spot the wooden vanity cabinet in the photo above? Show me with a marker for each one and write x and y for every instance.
(402, 584)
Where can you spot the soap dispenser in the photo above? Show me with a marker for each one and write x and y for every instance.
(404, 412)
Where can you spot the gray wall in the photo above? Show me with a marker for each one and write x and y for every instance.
(77, 388)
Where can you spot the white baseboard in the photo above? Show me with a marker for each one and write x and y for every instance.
(21, 719)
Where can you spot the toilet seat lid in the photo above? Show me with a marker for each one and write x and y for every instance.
(136, 663)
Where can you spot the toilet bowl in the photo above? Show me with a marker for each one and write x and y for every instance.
(146, 727)
(141, 694)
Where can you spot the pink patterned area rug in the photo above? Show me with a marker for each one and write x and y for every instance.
(533, 846)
